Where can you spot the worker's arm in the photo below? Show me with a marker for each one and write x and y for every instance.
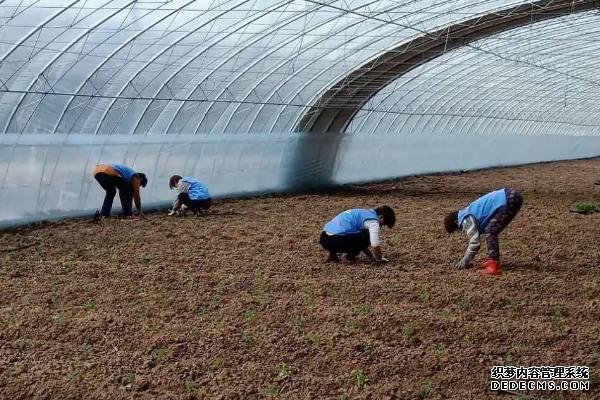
(375, 252)
(469, 226)
(135, 184)
(182, 187)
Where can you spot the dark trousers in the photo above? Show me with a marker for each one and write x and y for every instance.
(352, 245)
(194, 205)
(110, 184)
(502, 217)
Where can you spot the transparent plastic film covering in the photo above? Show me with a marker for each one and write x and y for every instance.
(263, 96)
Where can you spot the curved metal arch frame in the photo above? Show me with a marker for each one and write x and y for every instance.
(458, 93)
(484, 104)
(282, 63)
(185, 65)
(440, 93)
(24, 39)
(109, 58)
(341, 75)
(263, 35)
(303, 67)
(334, 115)
(49, 64)
(149, 62)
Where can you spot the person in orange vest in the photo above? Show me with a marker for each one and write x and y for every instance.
(487, 215)
(113, 177)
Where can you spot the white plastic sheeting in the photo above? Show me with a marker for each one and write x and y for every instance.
(215, 89)
(49, 176)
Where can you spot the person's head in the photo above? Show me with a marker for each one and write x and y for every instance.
(386, 216)
(143, 179)
(173, 181)
(451, 222)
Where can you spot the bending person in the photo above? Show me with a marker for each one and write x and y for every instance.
(354, 230)
(116, 176)
(488, 215)
(191, 194)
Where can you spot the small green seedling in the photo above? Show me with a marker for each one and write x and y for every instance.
(360, 379)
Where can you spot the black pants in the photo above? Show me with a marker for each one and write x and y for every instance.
(352, 245)
(110, 184)
(194, 205)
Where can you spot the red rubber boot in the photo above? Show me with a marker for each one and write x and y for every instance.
(491, 267)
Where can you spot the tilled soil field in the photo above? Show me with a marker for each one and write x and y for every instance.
(240, 305)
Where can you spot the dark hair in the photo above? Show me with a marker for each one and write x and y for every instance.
(173, 181)
(451, 222)
(389, 217)
(143, 179)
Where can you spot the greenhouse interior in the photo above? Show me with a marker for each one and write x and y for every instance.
(284, 114)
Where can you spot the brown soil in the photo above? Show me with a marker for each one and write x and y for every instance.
(239, 304)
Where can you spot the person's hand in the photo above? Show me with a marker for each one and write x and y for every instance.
(382, 260)
(461, 264)
(173, 212)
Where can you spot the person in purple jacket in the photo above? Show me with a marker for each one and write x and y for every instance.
(355, 230)
(487, 215)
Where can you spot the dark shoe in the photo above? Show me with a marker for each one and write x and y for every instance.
(332, 257)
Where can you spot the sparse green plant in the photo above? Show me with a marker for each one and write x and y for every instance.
(90, 304)
(447, 313)
(558, 321)
(145, 258)
(188, 278)
(585, 207)
(201, 310)
(273, 391)
(222, 285)
(298, 324)
(464, 303)
(250, 315)
(194, 334)
(514, 305)
(146, 327)
(74, 375)
(247, 338)
(313, 338)
(309, 298)
(366, 309)
(424, 296)
(191, 387)
(261, 296)
(129, 379)
(160, 354)
(426, 388)
(352, 324)
(285, 371)
(215, 366)
(360, 379)
(408, 332)
(509, 360)
(439, 349)
(60, 319)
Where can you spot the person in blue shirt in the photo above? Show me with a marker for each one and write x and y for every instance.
(117, 176)
(191, 195)
(487, 215)
(355, 230)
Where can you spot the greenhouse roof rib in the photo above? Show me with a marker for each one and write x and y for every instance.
(119, 67)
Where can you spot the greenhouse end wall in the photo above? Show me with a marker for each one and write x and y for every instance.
(50, 176)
